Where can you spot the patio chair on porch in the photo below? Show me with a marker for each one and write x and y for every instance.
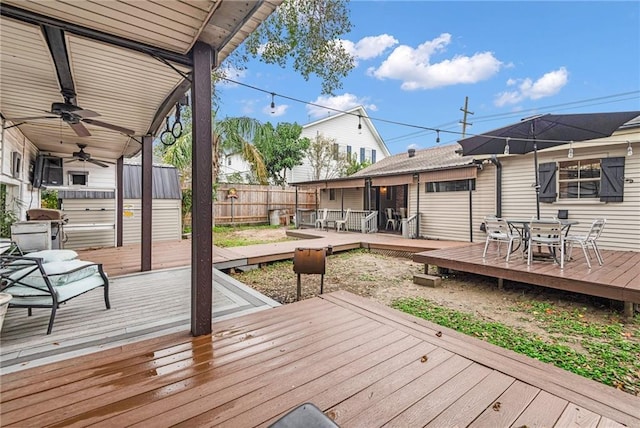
(321, 222)
(584, 241)
(498, 230)
(342, 224)
(546, 233)
(391, 219)
(47, 279)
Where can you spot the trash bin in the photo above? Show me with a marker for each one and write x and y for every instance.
(274, 217)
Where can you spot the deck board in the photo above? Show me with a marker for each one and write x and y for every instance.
(359, 362)
(618, 278)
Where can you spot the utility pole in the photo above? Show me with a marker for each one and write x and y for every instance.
(466, 111)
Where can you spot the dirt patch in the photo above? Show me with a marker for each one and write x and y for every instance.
(384, 279)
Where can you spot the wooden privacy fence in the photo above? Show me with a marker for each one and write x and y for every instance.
(257, 204)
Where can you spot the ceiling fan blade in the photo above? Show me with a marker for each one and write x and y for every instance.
(99, 163)
(80, 129)
(109, 126)
(86, 113)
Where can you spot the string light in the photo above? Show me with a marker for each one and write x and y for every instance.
(410, 125)
(359, 124)
(273, 103)
(570, 154)
(506, 147)
(629, 148)
(438, 137)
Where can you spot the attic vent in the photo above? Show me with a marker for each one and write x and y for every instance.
(412, 152)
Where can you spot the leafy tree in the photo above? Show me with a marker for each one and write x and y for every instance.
(354, 166)
(282, 149)
(307, 32)
(325, 159)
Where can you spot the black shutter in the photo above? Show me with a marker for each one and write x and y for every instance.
(612, 179)
(547, 175)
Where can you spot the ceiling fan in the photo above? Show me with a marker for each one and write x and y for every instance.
(82, 156)
(74, 116)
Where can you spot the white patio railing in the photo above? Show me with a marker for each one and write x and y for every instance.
(411, 225)
(359, 220)
(369, 223)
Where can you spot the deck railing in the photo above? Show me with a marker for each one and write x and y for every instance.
(369, 223)
(412, 226)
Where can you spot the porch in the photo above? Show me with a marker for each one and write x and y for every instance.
(361, 363)
(617, 279)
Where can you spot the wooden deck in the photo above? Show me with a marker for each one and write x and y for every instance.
(125, 260)
(618, 278)
(142, 306)
(363, 364)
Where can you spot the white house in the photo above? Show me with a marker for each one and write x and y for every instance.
(352, 130)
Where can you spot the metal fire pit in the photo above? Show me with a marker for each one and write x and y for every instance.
(310, 261)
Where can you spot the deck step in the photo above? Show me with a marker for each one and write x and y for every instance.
(427, 280)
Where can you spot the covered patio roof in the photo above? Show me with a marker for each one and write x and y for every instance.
(128, 61)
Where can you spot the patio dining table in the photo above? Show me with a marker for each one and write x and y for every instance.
(521, 226)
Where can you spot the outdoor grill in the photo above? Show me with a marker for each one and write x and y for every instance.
(57, 220)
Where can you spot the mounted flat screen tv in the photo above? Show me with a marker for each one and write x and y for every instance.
(48, 171)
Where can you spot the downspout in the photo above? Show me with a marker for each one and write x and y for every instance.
(297, 222)
(494, 160)
(418, 208)
(470, 210)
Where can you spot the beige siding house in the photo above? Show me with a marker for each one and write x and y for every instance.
(452, 194)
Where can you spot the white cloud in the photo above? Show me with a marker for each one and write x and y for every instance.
(278, 110)
(369, 47)
(340, 102)
(416, 71)
(232, 73)
(549, 84)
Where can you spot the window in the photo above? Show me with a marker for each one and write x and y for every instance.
(335, 152)
(586, 179)
(332, 194)
(229, 160)
(362, 158)
(373, 155)
(579, 179)
(449, 186)
(349, 152)
(78, 178)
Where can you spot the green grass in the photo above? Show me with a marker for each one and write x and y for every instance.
(226, 236)
(608, 353)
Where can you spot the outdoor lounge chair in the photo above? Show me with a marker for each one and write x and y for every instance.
(321, 223)
(587, 239)
(342, 224)
(498, 230)
(46, 279)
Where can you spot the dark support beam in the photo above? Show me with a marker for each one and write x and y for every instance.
(119, 199)
(176, 96)
(147, 201)
(58, 49)
(38, 19)
(201, 217)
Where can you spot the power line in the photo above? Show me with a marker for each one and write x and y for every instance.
(436, 129)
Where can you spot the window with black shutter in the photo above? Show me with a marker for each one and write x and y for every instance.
(612, 182)
(547, 177)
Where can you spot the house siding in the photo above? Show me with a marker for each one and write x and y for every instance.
(353, 198)
(166, 225)
(21, 196)
(622, 231)
(89, 211)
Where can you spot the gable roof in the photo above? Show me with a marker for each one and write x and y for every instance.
(439, 157)
(365, 121)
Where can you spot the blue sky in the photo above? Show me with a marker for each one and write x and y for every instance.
(417, 61)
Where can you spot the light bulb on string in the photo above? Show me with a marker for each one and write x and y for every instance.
(570, 154)
(629, 148)
(359, 124)
(438, 136)
(506, 147)
(273, 103)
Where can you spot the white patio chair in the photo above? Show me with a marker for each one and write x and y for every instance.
(391, 219)
(546, 233)
(322, 221)
(587, 239)
(498, 230)
(342, 224)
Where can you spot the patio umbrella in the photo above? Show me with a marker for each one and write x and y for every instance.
(544, 131)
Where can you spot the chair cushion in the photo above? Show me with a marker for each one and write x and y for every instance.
(58, 273)
(54, 255)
